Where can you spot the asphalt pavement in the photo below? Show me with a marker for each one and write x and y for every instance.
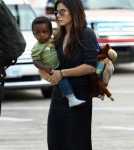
(24, 117)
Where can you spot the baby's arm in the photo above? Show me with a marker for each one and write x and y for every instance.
(44, 74)
(42, 66)
(44, 70)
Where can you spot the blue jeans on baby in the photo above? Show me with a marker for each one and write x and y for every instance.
(65, 87)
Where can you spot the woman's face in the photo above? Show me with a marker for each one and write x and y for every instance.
(63, 15)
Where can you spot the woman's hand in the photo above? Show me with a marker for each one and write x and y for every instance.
(55, 77)
(44, 74)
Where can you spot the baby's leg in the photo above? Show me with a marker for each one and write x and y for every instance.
(67, 91)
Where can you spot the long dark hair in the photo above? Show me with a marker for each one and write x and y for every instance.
(78, 23)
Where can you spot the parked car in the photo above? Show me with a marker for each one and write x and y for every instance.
(113, 23)
(24, 75)
(49, 9)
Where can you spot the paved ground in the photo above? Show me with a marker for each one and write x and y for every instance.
(24, 117)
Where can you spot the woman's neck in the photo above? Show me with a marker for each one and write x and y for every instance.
(65, 40)
(66, 36)
(68, 29)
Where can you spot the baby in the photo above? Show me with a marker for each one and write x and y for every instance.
(45, 57)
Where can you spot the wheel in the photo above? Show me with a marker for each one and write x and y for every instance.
(47, 92)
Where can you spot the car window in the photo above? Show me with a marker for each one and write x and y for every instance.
(24, 16)
(107, 4)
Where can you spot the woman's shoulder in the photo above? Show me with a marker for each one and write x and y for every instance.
(87, 30)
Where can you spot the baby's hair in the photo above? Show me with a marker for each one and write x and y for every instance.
(40, 20)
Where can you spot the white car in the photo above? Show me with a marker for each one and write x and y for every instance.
(24, 75)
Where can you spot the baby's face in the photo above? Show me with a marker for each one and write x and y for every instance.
(42, 32)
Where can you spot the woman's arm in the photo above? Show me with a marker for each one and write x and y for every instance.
(81, 70)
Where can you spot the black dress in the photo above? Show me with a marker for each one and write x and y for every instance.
(70, 128)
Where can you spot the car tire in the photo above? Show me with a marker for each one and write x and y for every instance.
(47, 92)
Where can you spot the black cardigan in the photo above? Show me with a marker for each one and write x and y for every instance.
(86, 54)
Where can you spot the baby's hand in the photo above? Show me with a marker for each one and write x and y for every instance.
(55, 77)
(44, 74)
(47, 68)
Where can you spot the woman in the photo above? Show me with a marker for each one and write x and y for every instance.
(70, 128)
